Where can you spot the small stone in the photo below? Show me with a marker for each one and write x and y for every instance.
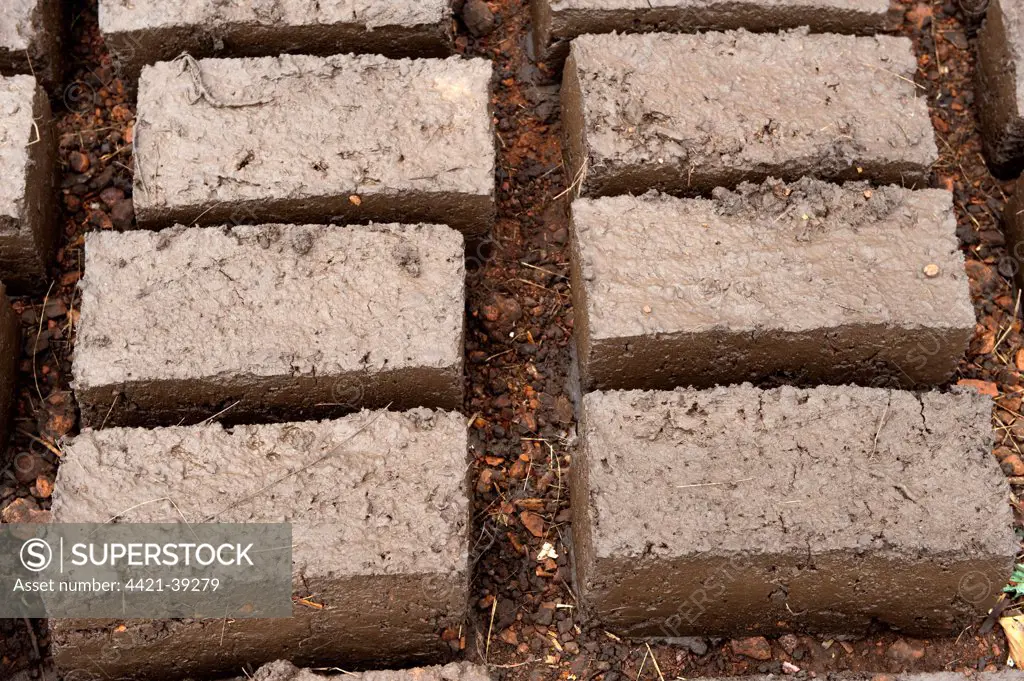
(112, 196)
(904, 651)
(789, 642)
(44, 487)
(647, 309)
(19, 511)
(1012, 465)
(755, 647)
(931, 270)
(78, 161)
(478, 17)
(122, 214)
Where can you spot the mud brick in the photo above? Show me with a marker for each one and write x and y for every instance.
(1000, 86)
(817, 282)
(30, 39)
(688, 113)
(278, 322)
(147, 31)
(379, 533)
(306, 139)
(556, 22)
(454, 671)
(737, 510)
(28, 204)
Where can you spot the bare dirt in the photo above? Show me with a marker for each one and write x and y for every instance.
(524, 619)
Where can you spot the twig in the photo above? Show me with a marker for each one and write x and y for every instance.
(657, 667)
(200, 91)
(490, 629)
(112, 403)
(219, 413)
(878, 431)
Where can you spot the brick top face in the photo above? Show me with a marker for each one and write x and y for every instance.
(299, 127)
(796, 257)
(17, 95)
(746, 100)
(128, 15)
(269, 300)
(389, 499)
(736, 469)
(16, 28)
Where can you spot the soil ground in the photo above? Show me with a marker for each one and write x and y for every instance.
(524, 619)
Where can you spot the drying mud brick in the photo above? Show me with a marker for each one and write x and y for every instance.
(454, 671)
(688, 113)
(1001, 86)
(816, 282)
(304, 139)
(140, 32)
(282, 322)
(30, 39)
(28, 213)
(729, 510)
(557, 22)
(379, 533)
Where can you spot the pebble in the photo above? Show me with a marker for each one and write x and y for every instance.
(28, 466)
(478, 17)
(122, 215)
(78, 161)
(904, 651)
(755, 647)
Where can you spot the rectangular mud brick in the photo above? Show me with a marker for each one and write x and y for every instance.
(279, 322)
(147, 31)
(28, 212)
(737, 510)
(1001, 86)
(30, 39)
(453, 671)
(379, 530)
(304, 139)
(816, 282)
(556, 22)
(688, 113)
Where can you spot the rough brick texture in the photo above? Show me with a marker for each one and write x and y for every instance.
(273, 321)
(28, 204)
(142, 32)
(688, 113)
(739, 510)
(379, 536)
(305, 139)
(1000, 89)
(556, 22)
(30, 39)
(817, 282)
(454, 671)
